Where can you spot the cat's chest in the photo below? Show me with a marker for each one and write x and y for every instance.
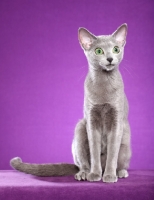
(101, 92)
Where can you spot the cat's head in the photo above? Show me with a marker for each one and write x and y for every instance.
(103, 52)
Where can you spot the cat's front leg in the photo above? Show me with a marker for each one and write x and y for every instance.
(94, 137)
(114, 136)
(95, 149)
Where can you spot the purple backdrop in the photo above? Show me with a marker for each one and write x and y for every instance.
(42, 71)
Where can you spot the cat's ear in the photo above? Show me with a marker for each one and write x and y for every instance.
(120, 34)
(86, 38)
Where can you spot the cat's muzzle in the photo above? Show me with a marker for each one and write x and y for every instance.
(109, 67)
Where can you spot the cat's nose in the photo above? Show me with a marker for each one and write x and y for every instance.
(109, 59)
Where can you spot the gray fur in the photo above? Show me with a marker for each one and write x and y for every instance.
(101, 145)
(60, 169)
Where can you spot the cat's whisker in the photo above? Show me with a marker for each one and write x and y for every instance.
(81, 77)
(128, 71)
(128, 62)
(84, 66)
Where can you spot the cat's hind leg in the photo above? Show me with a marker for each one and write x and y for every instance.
(122, 173)
(80, 150)
(124, 153)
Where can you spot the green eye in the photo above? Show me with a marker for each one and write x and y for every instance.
(99, 51)
(116, 49)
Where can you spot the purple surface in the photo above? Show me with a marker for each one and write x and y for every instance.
(42, 70)
(17, 186)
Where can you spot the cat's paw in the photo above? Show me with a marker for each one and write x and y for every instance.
(81, 175)
(123, 173)
(93, 177)
(110, 178)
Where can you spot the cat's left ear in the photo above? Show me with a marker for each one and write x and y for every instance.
(120, 34)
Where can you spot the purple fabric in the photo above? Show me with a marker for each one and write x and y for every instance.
(16, 186)
(42, 71)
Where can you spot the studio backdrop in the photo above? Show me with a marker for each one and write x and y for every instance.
(42, 72)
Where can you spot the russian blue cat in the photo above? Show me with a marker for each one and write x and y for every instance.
(101, 145)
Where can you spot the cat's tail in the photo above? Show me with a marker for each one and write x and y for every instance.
(44, 169)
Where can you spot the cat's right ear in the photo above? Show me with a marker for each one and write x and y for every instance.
(86, 38)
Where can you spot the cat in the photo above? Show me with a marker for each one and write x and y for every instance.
(101, 146)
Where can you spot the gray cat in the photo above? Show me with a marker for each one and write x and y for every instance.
(101, 145)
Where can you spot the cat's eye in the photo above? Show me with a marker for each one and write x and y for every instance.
(99, 51)
(116, 49)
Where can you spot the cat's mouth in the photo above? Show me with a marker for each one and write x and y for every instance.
(109, 67)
